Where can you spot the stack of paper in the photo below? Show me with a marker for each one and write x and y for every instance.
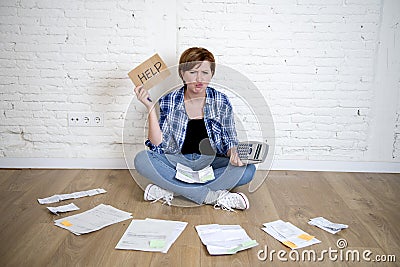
(151, 235)
(188, 175)
(93, 220)
(64, 208)
(289, 234)
(57, 198)
(326, 225)
(224, 239)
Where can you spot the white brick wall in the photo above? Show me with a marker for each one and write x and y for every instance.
(396, 143)
(313, 61)
(67, 57)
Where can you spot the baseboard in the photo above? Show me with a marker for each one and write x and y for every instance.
(337, 166)
(63, 163)
(119, 163)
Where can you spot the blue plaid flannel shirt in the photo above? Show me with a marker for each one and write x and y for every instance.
(218, 118)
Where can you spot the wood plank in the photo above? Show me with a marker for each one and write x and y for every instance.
(369, 203)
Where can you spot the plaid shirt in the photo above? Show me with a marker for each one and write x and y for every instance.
(218, 119)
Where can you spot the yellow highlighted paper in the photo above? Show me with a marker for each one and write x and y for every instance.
(289, 244)
(306, 237)
(66, 223)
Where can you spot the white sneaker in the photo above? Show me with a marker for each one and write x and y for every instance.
(155, 193)
(230, 201)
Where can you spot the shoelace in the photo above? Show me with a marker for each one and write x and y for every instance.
(225, 203)
(167, 199)
(220, 206)
(163, 194)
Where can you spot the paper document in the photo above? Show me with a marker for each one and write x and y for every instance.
(224, 239)
(289, 235)
(64, 208)
(188, 175)
(57, 198)
(326, 225)
(93, 219)
(151, 235)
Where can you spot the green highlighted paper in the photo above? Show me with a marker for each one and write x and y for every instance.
(151, 235)
(224, 239)
(157, 243)
(243, 246)
(187, 175)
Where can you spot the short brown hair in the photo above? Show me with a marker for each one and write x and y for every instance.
(192, 56)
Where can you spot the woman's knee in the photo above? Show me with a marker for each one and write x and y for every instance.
(141, 160)
(251, 169)
(248, 175)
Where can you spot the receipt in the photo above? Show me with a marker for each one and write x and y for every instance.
(64, 208)
(327, 225)
(57, 198)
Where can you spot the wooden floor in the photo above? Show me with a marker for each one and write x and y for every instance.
(368, 203)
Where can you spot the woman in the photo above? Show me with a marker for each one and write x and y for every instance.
(196, 129)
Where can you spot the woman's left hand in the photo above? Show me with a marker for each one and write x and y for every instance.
(234, 157)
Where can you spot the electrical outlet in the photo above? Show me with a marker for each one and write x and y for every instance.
(85, 119)
(78, 119)
(97, 120)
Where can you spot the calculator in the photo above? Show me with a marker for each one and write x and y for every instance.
(251, 152)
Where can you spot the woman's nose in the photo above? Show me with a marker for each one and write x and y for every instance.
(199, 77)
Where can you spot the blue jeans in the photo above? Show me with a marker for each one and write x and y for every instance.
(160, 169)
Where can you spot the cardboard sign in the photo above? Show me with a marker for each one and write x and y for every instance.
(150, 72)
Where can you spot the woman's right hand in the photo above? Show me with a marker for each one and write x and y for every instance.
(154, 132)
(143, 96)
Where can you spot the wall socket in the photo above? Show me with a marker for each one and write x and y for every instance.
(85, 119)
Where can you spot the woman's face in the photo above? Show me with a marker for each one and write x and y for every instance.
(198, 78)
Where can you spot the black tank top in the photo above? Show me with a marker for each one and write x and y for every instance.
(196, 139)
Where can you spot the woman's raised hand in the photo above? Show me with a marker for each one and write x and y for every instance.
(143, 96)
